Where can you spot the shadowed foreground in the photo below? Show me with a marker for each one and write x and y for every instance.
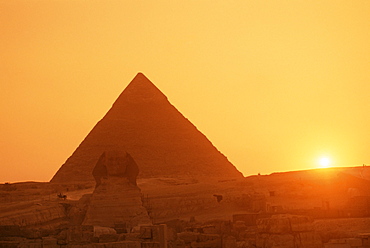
(317, 208)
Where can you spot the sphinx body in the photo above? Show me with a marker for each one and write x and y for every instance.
(116, 198)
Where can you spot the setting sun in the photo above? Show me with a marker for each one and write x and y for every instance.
(324, 162)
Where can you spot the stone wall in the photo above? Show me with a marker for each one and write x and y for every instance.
(38, 214)
(287, 231)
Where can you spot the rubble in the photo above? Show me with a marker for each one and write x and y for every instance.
(288, 231)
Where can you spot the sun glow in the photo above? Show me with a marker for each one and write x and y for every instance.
(324, 162)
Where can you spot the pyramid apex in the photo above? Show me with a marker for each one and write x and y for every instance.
(140, 90)
(140, 77)
(140, 74)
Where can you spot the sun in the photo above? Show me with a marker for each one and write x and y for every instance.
(324, 162)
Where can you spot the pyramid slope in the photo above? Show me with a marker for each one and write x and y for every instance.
(160, 139)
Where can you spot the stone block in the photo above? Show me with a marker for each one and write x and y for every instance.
(178, 243)
(96, 245)
(366, 242)
(354, 242)
(9, 244)
(154, 233)
(207, 237)
(239, 225)
(274, 225)
(171, 234)
(34, 245)
(285, 224)
(229, 242)
(123, 244)
(129, 236)
(61, 242)
(245, 244)
(248, 219)
(30, 244)
(308, 239)
(261, 239)
(162, 235)
(50, 246)
(364, 235)
(336, 245)
(121, 237)
(10, 231)
(127, 244)
(48, 242)
(83, 246)
(279, 240)
(150, 245)
(62, 235)
(100, 230)
(107, 238)
(188, 237)
(301, 223)
(209, 229)
(80, 234)
(337, 241)
(207, 244)
(121, 227)
(31, 233)
(146, 232)
(107, 245)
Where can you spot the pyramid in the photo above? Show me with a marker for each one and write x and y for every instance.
(159, 138)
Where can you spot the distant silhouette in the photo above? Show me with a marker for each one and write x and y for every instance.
(116, 197)
(218, 197)
(115, 163)
(61, 196)
(162, 141)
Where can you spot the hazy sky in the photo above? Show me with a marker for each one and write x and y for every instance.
(274, 85)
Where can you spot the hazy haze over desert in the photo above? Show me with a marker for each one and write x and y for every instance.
(193, 124)
(275, 86)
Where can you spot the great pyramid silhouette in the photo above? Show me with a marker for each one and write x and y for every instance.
(161, 140)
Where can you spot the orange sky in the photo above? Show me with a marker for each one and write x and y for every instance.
(273, 84)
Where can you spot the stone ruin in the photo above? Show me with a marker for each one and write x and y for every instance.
(113, 215)
(287, 231)
(116, 198)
